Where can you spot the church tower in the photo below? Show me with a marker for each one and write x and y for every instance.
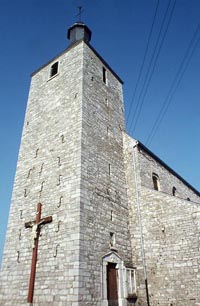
(67, 240)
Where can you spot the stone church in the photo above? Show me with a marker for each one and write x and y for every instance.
(96, 218)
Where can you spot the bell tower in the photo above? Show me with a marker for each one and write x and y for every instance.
(70, 174)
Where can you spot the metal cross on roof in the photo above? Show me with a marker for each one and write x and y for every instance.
(80, 12)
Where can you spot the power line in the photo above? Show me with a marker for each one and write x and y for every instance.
(174, 86)
(165, 108)
(143, 61)
(153, 69)
(152, 64)
(152, 57)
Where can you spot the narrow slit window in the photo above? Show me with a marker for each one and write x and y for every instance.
(107, 130)
(111, 215)
(156, 182)
(54, 69)
(104, 75)
(109, 169)
(174, 191)
(112, 240)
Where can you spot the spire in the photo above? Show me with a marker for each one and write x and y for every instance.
(79, 30)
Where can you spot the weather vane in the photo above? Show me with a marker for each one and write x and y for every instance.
(80, 8)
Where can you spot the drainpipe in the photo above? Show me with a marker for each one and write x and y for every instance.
(140, 226)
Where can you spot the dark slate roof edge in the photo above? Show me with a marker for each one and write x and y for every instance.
(105, 63)
(72, 46)
(167, 167)
(55, 57)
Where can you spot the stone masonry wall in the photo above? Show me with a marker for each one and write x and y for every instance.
(103, 190)
(170, 230)
(167, 180)
(48, 171)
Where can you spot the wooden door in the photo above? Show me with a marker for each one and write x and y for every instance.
(112, 290)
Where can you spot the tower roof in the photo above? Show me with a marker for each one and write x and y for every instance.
(79, 31)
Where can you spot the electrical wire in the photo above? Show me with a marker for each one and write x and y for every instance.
(143, 61)
(174, 86)
(151, 60)
(152, 64)
(153, 69)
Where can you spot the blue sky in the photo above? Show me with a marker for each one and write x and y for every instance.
(32, 32)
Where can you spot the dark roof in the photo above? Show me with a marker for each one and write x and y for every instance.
(72, 46)
(140, 145)
(79, 25)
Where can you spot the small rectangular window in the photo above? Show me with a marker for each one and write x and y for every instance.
(104, 75)
(54, 69)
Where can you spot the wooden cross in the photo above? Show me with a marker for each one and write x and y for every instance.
(36, 226)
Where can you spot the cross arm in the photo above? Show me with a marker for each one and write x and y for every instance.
(42, 221)
(45, 220)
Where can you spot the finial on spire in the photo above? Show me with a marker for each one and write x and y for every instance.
(79, 31)
(81, 10)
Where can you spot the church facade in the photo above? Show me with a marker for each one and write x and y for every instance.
(96, 219)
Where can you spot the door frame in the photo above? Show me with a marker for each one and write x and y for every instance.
(113, 257)
(112, 282)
